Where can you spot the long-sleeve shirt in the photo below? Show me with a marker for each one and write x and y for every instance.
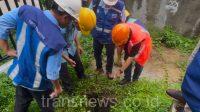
(8, 22)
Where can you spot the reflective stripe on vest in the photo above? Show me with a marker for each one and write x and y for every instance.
(106, 21)
(29, 68)
(103, 30)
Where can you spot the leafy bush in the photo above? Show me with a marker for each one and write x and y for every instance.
(172, 39)
(7, 92)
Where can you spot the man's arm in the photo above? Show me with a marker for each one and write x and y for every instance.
(65, 56)
(52, 70)
(123, 16)
(8, 22)
(5, 47)
(91, 6)
(134, 51)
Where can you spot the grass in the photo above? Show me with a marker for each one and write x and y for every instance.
(142, 96)
(6, 94)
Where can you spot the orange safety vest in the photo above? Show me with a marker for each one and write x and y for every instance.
(140, 34)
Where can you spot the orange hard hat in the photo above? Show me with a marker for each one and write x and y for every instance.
(120, 34)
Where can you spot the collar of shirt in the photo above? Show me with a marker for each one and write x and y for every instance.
(104, 6)
(51, 17)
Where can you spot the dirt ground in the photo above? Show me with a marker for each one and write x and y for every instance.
(161, 65)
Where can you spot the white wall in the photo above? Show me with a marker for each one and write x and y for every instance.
(12, 4)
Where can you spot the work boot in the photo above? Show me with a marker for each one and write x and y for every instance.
(176, 94)
(134, 80)
(100, 70)
(87, 76)
(109, 75)
(124, 82)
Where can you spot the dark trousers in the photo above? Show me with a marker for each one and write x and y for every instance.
(65, 77)
(24, 97)
(98, 47)
(79, 65)
(137, 71)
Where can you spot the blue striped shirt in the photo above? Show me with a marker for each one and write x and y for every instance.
(9, 22)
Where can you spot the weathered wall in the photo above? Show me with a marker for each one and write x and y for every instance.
(183, 15)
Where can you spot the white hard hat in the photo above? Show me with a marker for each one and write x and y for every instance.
(110, 2)
(72, 7)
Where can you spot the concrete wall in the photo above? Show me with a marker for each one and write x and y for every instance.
(183, 15)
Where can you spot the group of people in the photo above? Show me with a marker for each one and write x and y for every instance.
(48, 40)
(115, 29)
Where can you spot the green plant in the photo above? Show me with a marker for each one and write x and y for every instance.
(6, 94)
(143, 96)
(43, 1)
(171, 39)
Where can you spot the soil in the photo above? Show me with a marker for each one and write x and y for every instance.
(161, 65)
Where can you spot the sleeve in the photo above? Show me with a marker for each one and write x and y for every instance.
(65, 52)
(54, 65)
(92, 5)
(135, 50)
(76, 32)
(123, 16)
(8, 22)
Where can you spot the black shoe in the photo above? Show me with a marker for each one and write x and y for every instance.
(134, 80)
(109, 75)
(83, 77)
(124, 82)
(176, 94)
(88, 76)
(100, 70)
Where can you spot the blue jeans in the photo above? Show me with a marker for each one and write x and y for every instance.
(98, 47)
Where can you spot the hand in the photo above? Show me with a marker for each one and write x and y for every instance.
(80, 50)
(71, 62)
(57, 90)
(12, 53)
